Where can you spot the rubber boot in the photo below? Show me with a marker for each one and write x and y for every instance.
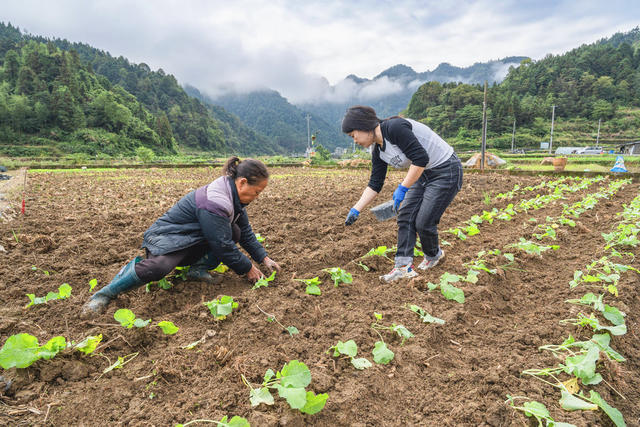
(125, 280)
(199, 271)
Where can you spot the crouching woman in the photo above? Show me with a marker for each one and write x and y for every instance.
(200, 231)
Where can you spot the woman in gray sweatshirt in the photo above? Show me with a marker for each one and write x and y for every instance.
(433, 179)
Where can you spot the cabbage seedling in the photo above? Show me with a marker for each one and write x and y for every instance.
(264, 282)
(424, 316)
(88, 345)
(92, 284)
(168, 328)
(313, 287)
(536, 410)
(290, 382)
(222, 307)
(22, 350)
(236, 421)
(64, 292)
(128, 319)
(45, 272)
(449, 291)
(402, 332)
(271, 318)
(350, 349)
(532, 248)
(338, 276)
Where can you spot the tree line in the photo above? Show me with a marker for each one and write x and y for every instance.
(590, 82)
(61, 97)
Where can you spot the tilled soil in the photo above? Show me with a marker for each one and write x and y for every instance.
(87, 224)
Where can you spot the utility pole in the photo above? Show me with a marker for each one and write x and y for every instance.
(513, 135)
(598, 137)
(308, 136)
(484, 127)
(553, 115)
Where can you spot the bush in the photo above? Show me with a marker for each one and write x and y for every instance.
(146, 155)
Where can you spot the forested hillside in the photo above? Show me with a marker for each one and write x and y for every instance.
(272, 115)
(592, 82)
(58, 97)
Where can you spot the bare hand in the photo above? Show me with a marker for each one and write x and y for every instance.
(254, 274)
(270, 264)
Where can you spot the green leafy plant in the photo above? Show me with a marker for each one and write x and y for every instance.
(593, 322)
(380, 251)
(612, 314)
(402, 331)
(536, 410)
(338, 276)
(350, 350)
(260, 239)
(128, 319)
(381, 353)
(290, 382)
(119, 363)
(424, 316)
(532, 248)
(64, 292)
(549, 231)
(88, 345)
(313, 285)
(449, 291)
(292, 330)
(221, 268)
(22, 350)
(45, 272)
(168, 328)
(264, 281)
(220, 308)
(92, 284)
(235, 421)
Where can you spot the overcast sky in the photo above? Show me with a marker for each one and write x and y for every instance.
(300, 47)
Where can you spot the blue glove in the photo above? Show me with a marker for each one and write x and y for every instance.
(353, 215)
(398, 196)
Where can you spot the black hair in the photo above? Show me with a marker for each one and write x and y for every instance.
(360, 117)
(253, 170)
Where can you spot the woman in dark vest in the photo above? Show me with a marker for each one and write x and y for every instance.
(432, 181)
(201, 230)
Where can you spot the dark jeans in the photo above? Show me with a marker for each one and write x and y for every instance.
(155, 267)
(423, 207)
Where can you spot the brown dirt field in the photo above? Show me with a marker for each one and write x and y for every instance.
(87, 224)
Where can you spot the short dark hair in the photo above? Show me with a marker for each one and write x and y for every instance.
(360, 117)
(253, 170)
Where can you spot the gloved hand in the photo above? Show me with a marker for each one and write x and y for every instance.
(353, 215)
(398, 196)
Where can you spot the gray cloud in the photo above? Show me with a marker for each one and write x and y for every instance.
(305, 49)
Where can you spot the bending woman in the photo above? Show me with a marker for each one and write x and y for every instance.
(201, 230)
(432, 181)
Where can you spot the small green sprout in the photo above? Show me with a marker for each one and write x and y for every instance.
(264, 281)
(313, 285)
(64, 292)
(128, 319)
(338, 276)
(220, 308)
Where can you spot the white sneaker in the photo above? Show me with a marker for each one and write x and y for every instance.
(404, 272)
(430, 263)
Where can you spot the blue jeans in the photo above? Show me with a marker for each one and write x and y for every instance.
(423, 207)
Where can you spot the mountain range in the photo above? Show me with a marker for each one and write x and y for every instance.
(389, 93)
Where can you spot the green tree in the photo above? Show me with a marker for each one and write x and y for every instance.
(145, 154)
(163, 129)
(602, 110)
(11, 67)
